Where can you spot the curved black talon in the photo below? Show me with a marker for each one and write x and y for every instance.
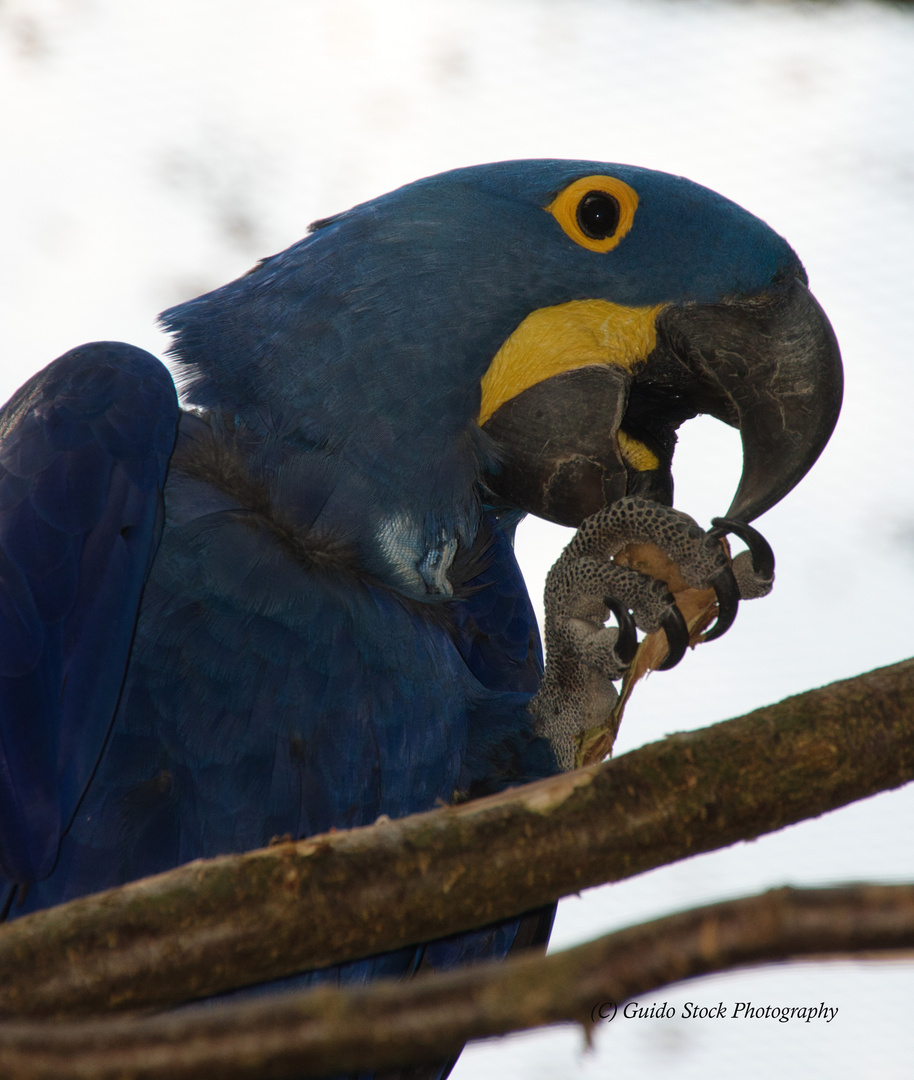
(627, 642)
(759, 548)
(724, 585)
(677, 637)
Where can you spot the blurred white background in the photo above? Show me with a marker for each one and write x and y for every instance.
(152, 151)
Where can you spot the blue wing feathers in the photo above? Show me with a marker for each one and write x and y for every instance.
(85, 448)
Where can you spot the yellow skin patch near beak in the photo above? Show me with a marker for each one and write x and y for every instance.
(568, 336)
(636, 453)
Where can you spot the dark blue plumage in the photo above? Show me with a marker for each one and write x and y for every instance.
(316, 617)
(212, 749)
(85, 446)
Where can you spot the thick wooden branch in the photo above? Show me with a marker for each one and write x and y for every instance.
(428, 1019)
(213, 925)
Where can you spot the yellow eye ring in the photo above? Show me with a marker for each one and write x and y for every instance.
(595, 211)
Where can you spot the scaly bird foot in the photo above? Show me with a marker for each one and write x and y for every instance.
(601, 572)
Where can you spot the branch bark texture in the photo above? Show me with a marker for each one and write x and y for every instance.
(429, 1018)
(218, 924)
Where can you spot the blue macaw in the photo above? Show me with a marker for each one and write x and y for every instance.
(292, 604)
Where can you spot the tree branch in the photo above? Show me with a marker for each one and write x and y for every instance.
(429, 1018)
(217, 924)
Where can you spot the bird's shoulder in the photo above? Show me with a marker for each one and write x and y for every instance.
(84, 447)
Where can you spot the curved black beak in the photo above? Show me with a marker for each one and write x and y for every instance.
(771, 367)
(768, 365)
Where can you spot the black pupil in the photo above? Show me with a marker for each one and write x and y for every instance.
(598, 215)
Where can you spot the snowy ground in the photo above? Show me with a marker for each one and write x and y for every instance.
(154, 150)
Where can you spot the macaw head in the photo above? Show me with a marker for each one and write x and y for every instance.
(539, 327)
(692, 306)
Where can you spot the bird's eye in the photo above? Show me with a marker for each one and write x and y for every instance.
(595, 211)
(598, 215)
